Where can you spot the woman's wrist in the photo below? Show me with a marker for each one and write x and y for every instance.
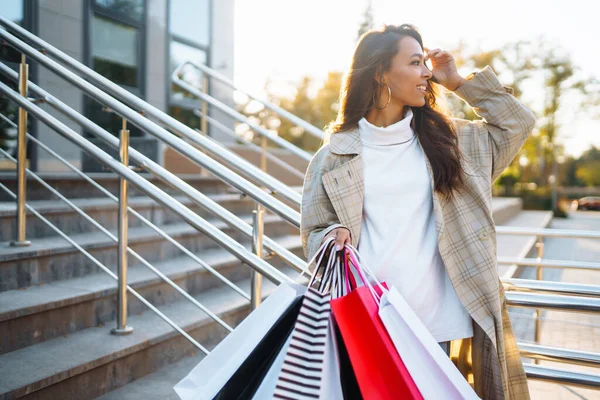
(456, 83)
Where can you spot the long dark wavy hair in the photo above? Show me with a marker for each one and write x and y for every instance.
(374, 54)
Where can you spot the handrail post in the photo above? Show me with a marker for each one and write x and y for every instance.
(21, 240)
(539, 276)
(257, 245)
(257, 237)
(263, 155)
(122, 328)
(203, 121)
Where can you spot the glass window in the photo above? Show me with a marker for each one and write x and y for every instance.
(115, 51)
(128, 9)
(190, 20)
(13, 10)
(181, 53)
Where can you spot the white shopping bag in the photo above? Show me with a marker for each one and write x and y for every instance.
(213, 372)
(432, 371)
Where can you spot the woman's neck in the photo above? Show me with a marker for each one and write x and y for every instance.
(386, 117)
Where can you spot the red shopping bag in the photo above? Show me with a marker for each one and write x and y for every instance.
(379, 370)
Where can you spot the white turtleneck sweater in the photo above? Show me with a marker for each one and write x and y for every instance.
(398, 238)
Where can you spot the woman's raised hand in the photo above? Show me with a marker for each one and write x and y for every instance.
(341, 236)
(444, 69)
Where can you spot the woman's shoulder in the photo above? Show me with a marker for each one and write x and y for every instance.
(325, 160)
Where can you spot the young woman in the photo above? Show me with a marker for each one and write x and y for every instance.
(411, 188)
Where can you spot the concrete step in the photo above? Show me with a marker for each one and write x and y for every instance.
(54, 259)
(520, 245)
(75, 187)
(92, 362)
(45, 312)
(156, 386)
(105, 212)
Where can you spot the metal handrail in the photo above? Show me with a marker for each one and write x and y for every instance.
(240, 117)
(548, 232)
(230, 132)
(533, 262)
(149, 189)
(529, 285)
(146, 125)
(108, 271)
(556, 354)
(553, 302)
(313, 130)
(556, 375)
(192, 193)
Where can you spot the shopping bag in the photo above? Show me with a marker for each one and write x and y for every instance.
(379, 370)
(301, 376)
(330, 385)
(217, 368)
(248, 377)
(310, 369)
(433, 372)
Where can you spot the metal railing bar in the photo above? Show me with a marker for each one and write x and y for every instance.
(547, 232)
(148, 126)
(129, 250)
(552, 302)
(241, 117)
(556, 354)
(532, 262)
(313, 130)
(298, 174)
(108, 271)
(157, 194)
(135, 213)
(556, 375)
(173, 180)
(530, 285)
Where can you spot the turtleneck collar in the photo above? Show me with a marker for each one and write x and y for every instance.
(396, 133)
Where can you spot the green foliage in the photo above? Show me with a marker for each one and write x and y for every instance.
(589, 172)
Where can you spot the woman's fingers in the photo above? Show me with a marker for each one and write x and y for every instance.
(341, 236)
(431, 53)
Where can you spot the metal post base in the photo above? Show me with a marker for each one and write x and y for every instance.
(24, 243)
(122, 331)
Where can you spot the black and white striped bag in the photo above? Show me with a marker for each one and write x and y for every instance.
(302, 371)
(310, 369)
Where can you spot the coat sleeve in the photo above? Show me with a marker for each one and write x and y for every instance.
(492, 142)
(317, 216)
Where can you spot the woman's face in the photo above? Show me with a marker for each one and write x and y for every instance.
(407, 76)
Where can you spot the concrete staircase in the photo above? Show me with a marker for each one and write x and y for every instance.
(57, 308)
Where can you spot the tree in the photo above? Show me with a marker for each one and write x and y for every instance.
(367, 21)
(589, 173)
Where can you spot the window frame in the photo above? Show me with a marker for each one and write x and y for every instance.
(90, 11)
(207, 49)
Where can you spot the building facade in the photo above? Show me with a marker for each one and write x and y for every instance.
(136, 44)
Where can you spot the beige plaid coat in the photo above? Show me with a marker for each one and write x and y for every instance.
(333, 196)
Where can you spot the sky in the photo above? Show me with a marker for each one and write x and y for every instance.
(283, 40)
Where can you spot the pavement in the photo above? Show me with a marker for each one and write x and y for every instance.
(576, 331)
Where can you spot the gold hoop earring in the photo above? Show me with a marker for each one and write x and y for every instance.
(389, 97)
